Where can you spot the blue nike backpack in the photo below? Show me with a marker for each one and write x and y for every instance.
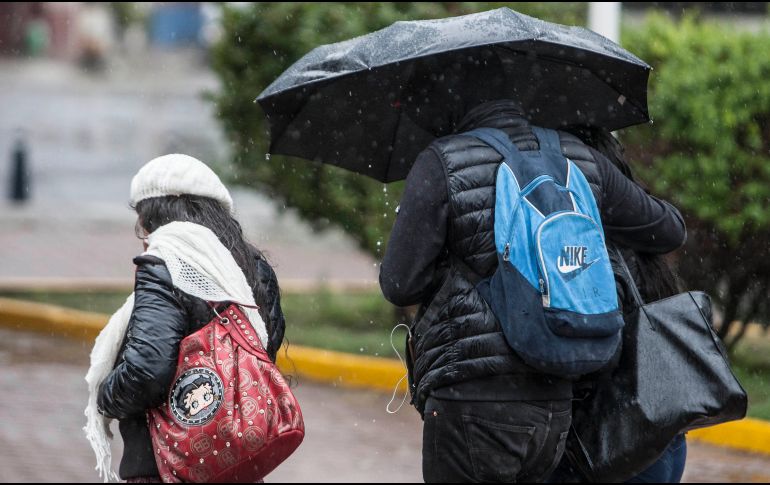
(554, 290)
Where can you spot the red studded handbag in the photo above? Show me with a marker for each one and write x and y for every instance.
(230, 415)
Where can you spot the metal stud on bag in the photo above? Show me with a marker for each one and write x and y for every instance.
(203, 442)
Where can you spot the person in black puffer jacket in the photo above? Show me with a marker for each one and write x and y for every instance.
(487, 415)
(655, 280)
(163, 315)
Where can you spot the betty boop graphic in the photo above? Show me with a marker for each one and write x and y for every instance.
(196, 396)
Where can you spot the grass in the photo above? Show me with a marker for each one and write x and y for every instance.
(757, 386)
(360, 323)
(751, 364)
(100, 302)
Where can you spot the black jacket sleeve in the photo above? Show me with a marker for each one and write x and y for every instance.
(147, 365)
(635, 219)
(419, 233)
(631, 217)
(272, 314)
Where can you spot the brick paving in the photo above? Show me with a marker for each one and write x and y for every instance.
(350, 436)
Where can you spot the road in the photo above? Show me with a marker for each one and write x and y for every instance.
(350, 437)
(87, 135)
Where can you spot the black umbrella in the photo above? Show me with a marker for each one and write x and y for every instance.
(372, 103)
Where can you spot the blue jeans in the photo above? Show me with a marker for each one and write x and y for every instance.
(670, 466)
(668, 469)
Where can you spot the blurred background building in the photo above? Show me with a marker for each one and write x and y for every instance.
(89, 93)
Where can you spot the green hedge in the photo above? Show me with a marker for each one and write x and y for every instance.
(708, 151)
(260, 41)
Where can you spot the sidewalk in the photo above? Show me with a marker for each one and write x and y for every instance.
(350, 436)
(93, 247)
(88, 135)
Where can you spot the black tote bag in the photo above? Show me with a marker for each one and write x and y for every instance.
(673, 376)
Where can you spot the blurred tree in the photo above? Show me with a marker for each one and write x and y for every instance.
(124, 14)
(709, 152)
(260, 41)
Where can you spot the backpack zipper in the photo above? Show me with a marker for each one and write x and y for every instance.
(544, 284)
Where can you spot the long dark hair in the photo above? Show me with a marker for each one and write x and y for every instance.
(657, 279)
(159, 211)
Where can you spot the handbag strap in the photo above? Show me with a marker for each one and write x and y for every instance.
(231, 319)
(629, 278)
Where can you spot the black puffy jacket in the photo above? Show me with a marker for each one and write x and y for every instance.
(447, 216)
(146, 364)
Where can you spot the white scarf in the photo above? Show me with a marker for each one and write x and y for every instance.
(200, 266)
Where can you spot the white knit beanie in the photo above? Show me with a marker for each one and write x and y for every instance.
(178, 174)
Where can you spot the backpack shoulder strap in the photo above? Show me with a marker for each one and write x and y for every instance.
(497, 139)
(548, 140)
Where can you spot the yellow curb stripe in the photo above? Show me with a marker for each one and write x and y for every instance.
(748, 435)
(39, 317)
(323, 365)
(343, 369)
(336, 368)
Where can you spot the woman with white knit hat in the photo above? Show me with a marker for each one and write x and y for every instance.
(195, 253)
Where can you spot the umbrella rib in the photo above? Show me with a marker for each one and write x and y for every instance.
(556, 60)
(274, 139)
(393, 139)
(577, 70)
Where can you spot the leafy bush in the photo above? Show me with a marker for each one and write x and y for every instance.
(708, 151)
(260, 42)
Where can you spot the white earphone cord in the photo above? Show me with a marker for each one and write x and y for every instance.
(395, 391)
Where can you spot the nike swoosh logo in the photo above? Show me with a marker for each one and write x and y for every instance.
(570, 275)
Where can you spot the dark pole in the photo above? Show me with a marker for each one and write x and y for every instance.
(19, 172)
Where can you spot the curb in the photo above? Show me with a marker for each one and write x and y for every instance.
(748, 434)
(322, 365)
(343, 369)
(331, 367)
(38, 317)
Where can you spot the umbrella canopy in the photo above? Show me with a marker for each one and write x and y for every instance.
(372, 103)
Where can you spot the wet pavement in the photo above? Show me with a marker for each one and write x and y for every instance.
(350, 437)
(87, 135)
